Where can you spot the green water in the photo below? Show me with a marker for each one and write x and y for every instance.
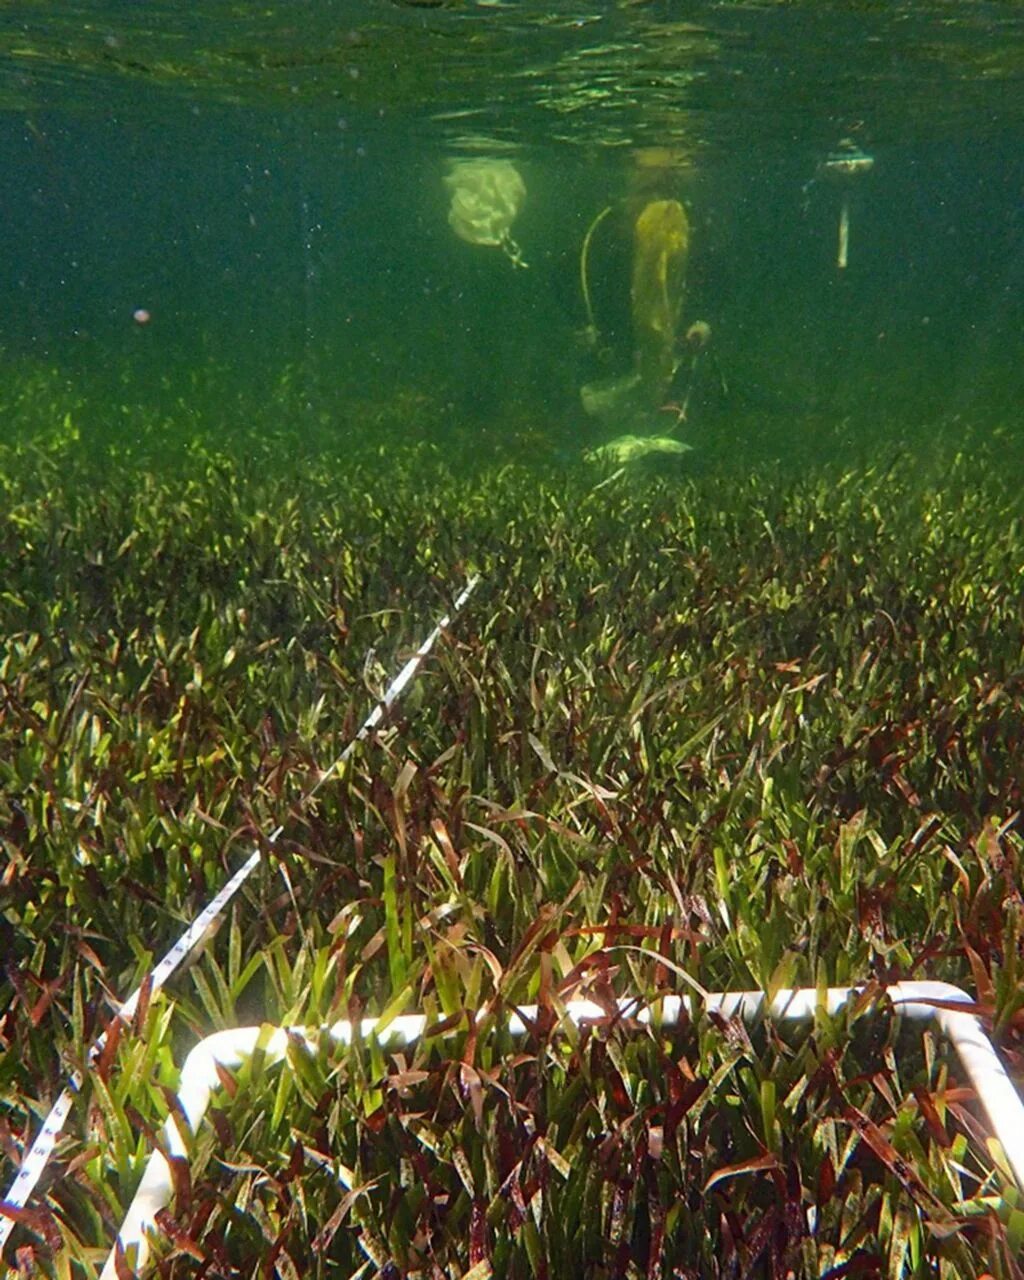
(266, 182)
(264, 413)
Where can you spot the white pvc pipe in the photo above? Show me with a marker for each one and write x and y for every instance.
(921, 1001)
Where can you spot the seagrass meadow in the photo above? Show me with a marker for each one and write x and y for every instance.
(750, 727)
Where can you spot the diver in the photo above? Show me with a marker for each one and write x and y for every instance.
(670, 366)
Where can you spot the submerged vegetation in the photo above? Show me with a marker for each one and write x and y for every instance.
(762, 727)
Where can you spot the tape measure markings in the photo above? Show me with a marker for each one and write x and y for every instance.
(46, 1140)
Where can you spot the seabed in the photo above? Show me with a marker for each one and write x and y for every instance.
(754, 725)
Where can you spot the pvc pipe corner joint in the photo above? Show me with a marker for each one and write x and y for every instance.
(919, 1001)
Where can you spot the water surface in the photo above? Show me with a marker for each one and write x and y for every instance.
(265, 184)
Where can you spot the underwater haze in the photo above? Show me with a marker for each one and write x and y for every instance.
(504, 504)
(210, 211)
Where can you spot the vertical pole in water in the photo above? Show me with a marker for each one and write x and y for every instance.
(844, 165)
(844, 234)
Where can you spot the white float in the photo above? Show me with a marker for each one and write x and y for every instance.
(486, 197)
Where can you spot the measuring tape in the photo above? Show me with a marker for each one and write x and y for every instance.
(39, 1154)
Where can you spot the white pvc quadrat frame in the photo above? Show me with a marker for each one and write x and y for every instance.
(920, 1001)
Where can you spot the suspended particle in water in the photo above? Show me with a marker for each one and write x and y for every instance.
(141, 316)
